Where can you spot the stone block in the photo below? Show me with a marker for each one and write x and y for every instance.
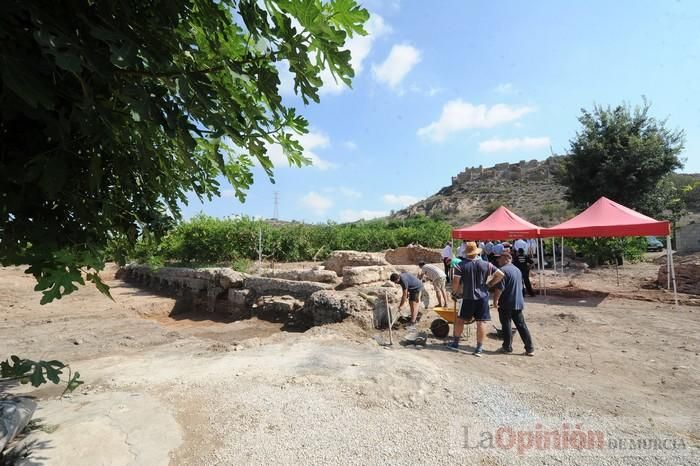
(278, 308)
(353, 276)
(341, 259)
(264, 286)
(412, 255)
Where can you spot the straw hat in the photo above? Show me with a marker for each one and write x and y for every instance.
(472, 249)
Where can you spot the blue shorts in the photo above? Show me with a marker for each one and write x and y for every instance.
(477, 310)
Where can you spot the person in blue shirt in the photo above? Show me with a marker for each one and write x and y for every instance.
(471, 281)
(412, 287)
(508, 297)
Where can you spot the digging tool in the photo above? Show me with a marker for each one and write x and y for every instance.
(454, 322)
(391, 321)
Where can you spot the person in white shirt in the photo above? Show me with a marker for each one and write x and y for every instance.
(532, 247)
(437, 277)
(460, 250)
(447, 259)
(520, 244)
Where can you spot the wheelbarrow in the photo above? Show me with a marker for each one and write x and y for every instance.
(440, 327)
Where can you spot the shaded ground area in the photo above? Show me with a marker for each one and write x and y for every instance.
(197, 389)
(632, 281)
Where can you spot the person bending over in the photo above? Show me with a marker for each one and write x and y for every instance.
(437, 277)
(412, 288)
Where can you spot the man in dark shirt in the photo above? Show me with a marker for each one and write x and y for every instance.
(509, 299)
(412, 287)
(522, 261)
(471, 282)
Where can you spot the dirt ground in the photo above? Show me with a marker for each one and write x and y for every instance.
(199, 389)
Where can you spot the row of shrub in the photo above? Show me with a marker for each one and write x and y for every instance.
(209, 240)
(205, 239)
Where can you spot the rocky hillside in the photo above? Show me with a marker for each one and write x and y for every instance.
(527, 188)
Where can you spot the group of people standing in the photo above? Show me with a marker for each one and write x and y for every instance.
(474, 274)
(521, 252)
(473, 279)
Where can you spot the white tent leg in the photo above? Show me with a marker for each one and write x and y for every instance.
(544, 279)
(554, 255)
(562, 255)
(539, 267)
(668, 267)
(673, 269)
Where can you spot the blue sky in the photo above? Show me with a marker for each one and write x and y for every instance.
(445, 85)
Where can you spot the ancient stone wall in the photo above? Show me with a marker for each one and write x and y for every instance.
(353, 276)
(524, 170)
(338, 260)
(412, 255)
(317, 274)
(295, 303)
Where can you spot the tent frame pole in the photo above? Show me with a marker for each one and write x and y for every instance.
(668, 267)
(673, 269)
(539, 267)
(544, 279)
(554, 255)
(562, 255)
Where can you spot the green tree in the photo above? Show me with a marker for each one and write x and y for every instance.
(111, 111)
(625, 154)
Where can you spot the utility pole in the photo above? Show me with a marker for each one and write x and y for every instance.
(276, 212)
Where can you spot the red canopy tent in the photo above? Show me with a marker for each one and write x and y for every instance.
(606, 218)
(501, 224)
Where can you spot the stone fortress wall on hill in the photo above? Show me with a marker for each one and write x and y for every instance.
(532, 170)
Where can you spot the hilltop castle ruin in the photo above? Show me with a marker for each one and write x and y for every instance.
(532, 170)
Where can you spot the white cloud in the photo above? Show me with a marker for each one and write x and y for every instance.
(360, 47)
(343, 191)
(433, 91)
(400, 61)
(316, 203)
(399, 200)
(458, 115)
(349, 193)
(505, 88)
(286, 78)
(310, 141)
(228, 193)
(350, 145)
(502, 145)
(350, 215)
